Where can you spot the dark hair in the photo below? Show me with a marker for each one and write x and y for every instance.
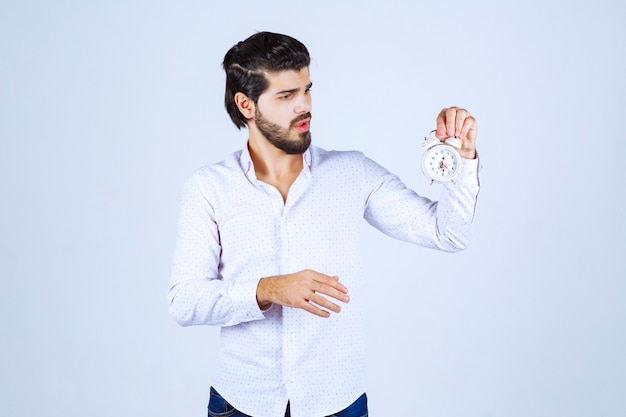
(247, 62)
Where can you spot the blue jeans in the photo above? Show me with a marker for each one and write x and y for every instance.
(219, 407)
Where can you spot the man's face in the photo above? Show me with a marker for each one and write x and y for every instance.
(283, 111)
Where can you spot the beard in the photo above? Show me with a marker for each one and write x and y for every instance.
(280, 137)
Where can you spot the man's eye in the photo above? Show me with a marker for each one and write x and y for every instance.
(285, 96)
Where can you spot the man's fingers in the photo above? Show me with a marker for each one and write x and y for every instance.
(323, 286)
(311, 308)
(441, 125)
(455, 121)
(451, 117)
(334, 293)
(461, 116)
(322, 283)
(324, 302)
(468, 130)
(337, 290)
(448, 123)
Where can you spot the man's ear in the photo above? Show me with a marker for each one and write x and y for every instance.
(245, 105)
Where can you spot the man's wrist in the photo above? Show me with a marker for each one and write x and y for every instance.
(261, 298)
(468, 154)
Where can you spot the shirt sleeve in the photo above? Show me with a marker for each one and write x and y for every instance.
(401, 213)
(197, 293)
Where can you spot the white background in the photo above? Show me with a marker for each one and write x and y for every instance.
(107, 107)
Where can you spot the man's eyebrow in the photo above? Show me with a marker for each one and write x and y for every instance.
(294, 90)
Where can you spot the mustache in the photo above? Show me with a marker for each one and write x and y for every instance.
(300, 118)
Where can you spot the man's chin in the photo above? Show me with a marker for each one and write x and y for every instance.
(296, 148)
(295, 151)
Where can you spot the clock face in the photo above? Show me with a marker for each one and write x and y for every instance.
(441, 163)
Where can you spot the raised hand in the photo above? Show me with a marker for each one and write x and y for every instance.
(454, 121)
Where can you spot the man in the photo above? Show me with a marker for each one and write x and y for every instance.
(268, 242)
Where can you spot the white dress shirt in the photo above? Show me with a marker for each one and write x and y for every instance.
(235, 230)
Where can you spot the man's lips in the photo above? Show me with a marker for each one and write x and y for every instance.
(303, 125)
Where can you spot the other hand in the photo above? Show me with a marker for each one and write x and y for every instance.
(306, 289)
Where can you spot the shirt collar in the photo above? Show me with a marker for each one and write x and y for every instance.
(245, 160)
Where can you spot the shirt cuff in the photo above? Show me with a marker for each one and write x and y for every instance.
(243, 296)
(470, 170)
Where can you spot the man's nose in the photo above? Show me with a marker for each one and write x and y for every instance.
(304, 104)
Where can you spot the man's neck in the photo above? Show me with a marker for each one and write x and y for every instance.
(272, 165)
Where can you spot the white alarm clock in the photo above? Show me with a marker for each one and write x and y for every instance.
(441, 161)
